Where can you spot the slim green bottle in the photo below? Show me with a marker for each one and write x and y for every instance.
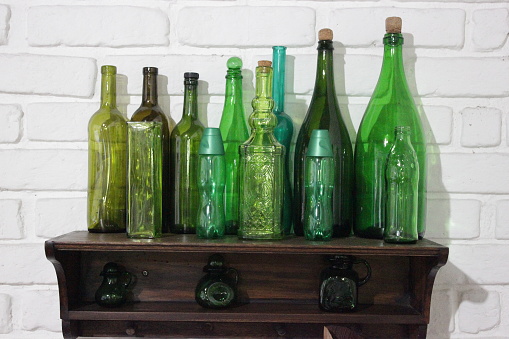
(184, 144)
(107, 138)
(262, 167)
(150, 110)
(234, 131)
(284, 128)
(323, 113)
(391, 105)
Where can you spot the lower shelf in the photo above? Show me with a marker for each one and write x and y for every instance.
(257, 312)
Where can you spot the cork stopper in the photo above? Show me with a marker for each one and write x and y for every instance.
(264, 63)
(393, 24)
(325, 34)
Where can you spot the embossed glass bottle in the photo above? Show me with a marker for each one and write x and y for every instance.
(234, 131)
(284, 128)
(323, 113)
(391, 105)
(184, 144)
(262, 167)
(107, 162)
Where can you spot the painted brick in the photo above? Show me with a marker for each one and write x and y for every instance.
(43, 169)
(57, 216)
(256, 26)
(10, 123)
(11, 223)
(5, 314)
(363, 27)
(437, 124)
(502, 227)
(468, 173)
(479, 310)
(453, 219)
(110, 26)
(41, 311)
(481, 127)
(441, 313)
(43, 74)
(26, 264)
(5, 16)
(59, 121)
(491, 27)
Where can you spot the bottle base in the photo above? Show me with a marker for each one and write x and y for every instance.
(372, 232)
(400, 240)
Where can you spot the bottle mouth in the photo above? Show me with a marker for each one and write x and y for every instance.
(325, 45)
(393, 39)
(150, 70)
(108, 69)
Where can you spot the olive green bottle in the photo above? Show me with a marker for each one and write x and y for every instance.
(184, 163)
(107, 161)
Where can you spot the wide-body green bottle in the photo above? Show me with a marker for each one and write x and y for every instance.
(234, 132)
(184, 163)
(262, 167)
(150, 110)
(391, 105)
(324, 113)
(107, 162)
(284, 128)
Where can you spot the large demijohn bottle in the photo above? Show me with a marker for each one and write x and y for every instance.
(234, 131)
(184, 163)
(107, 139)
(391, 105)
(324, 113)
(262, 167)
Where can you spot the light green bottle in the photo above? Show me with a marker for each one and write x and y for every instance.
(107, 138)
(234, 131)
(262, 167)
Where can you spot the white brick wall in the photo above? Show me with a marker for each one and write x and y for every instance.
(457, 68)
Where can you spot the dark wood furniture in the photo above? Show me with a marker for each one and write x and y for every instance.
(278, 287)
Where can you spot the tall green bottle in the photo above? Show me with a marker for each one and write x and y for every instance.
(391, 105)
(234, 132)
(324, 113)
(262, 167)
(284, 128)
(107, 162)
(150, 110)
(184, 163)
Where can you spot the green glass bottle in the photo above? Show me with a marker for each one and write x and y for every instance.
(402, 178)
(234, 131)
(211, 214)
(107, 138)
(391, 105)
(184, 144)
(324, 113)
(284, 128)
(150, 110)
(262, 167)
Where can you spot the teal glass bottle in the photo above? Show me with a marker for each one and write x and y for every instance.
(324, 113)
(319, 185)
(107, 163)
(234, 131)
(211, 214)
(402, 179)
(391, 105)
(144, 179)
(184, 144)
(284, 128)
(262, 167)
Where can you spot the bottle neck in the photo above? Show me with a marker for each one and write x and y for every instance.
(109, 90)
(233, 92)
(149, 96)
(324, 82)
(191, 99)
(278, 90)
(262, 119)
(392, 67)
(402, 135)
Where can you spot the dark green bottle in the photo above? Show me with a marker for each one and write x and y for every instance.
(184, 163)
(149, 110)
(391, 105)
(323, 113)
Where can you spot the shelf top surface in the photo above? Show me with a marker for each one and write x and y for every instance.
(85, 241)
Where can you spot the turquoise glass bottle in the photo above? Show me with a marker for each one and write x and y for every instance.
(391, 105)
(211, 214)
(107, 162)
(234, 131)
(284, 128)
(262, 167)
(184, 144)
(324, 113)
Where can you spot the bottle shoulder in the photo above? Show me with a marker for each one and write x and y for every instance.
(107, 116)
(188, 129)
(145, 113)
